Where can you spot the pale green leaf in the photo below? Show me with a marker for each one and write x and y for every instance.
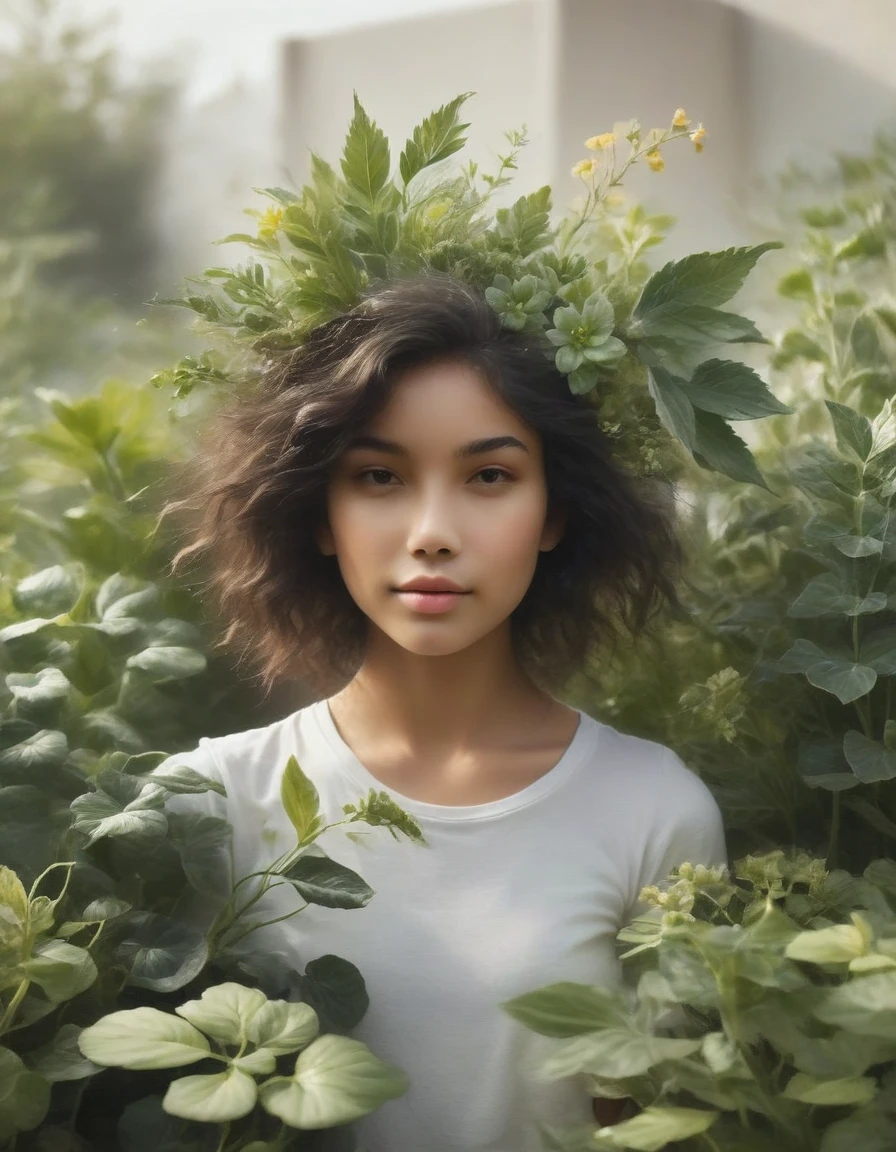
(143, 1038)
(837, 944)
(831, 1093)
(655, 1127)
(224, 1012)
(301, 802)
(566, 1009)
(336, 1081)
(282, 1027)
(212, 1099)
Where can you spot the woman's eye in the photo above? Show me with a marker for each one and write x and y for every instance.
(493, 476)
(378, 477)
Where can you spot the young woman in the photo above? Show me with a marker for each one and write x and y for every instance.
(414, 514)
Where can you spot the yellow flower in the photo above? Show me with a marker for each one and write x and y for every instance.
(698, 136)
(269, 222)
(583, 168)
(655, 160)
(680, 119)
(604, 140)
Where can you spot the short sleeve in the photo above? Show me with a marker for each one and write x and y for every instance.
(686, 827)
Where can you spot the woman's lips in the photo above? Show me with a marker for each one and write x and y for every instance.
(432, 603)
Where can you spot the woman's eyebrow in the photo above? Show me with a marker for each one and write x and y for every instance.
(474, 448)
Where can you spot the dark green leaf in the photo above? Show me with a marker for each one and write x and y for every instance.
(323, 881)
(852, 429)
(162, 954)
(704, 278)
(673, 406)
(733, 391)
(720, 449)
(336, 991)
(869, 759)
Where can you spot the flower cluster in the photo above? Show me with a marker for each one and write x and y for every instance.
(601, 168)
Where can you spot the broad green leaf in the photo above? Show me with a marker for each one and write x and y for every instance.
(12, 893)
(436, 138)
(823, 765)
(852, 429)
(212, 1099)
(656, 1127)
(865, 1005)
(336, 991)
(180, 779)
(823, 596)
(35, 690)
(831, 1093)
(259, 1063)
(841, 677)
(224, 1012)
(720, 449)
(732, 390)
(703, 278)
(867, 1130)
(281, 1027)
(161, 953)
(797, 285)
(673, 406)
(50, 592)
(323, 881)
(24, 1096)
(615, 1052)
(869, 759)
(204, 846)
(301, 802)
(143, 1038)
(45, 749)
(162, 664)
(365, 158)
(336, 1081)
(60, 969)
(62, 1059)
(97, 815)
(878, 650)
(122, 596)
(566, 1009)
(855, 546)
(837, 944)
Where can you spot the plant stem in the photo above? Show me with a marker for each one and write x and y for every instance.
(12, 1007)
(833, 842)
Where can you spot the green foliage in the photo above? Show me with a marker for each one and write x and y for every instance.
(601, 318)
(762, 1013)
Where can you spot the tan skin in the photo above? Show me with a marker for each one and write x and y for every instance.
(440, 710)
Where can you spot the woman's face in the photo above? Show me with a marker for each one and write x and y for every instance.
(447, 484)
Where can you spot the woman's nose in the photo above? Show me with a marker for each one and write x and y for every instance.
(433, 526)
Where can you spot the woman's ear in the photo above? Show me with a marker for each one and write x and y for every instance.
(554, 530)
(324, 538)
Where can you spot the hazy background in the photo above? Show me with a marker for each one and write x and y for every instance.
(260, 84)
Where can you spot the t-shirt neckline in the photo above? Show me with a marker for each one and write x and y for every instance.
(576, 751)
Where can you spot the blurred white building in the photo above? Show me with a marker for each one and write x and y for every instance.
(774, 80)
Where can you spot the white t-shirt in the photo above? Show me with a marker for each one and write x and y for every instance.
(506, 897)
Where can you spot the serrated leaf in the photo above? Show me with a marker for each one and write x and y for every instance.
(436, 138)
(703, 278)
(720, 449)
(852, 429)
(673, 407)
(733, 391)
(365, 158)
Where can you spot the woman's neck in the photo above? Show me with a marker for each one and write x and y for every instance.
(439, 704)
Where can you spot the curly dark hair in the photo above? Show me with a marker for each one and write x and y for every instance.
(258, 492)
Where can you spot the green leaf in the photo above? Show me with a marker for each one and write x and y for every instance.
(281, 1027)
(524, 227)
(656, 1127)
(867, 244)
(335, 989)
(36, 690)
(837, 944)
(835, 674)
(866, 1130)
(673, 407)
(703, 278)
(866, 1005)
(566, 1009)
(822, 765)
(614, 1052)
(797, 285)
(822, 596)
(45, 749)
(143, 1038)
(436, 138)
(323, 881)
(336, 1081)
(852, 429)
(732, 390)
(62, 1059)
(60, 969)
(212, 1099)
(224, 1012)
(181, 780)
(98, 814)
(24, 1096)
(869, 759)
(49, 592)
(164, 664)
(720, 449)
(365, 159)
(161, 953)
(831, 1093)
(301, 802)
